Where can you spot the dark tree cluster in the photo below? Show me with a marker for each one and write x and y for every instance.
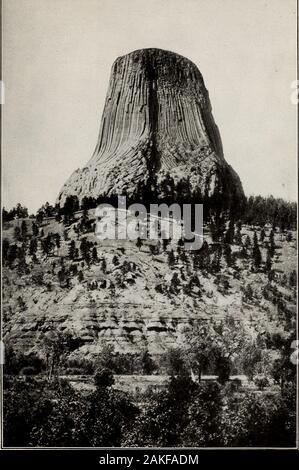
(185, 414)
(47, 210)
(168, 191)
(69, 208)
(17, 212)
(269, 210)
(53, 414)
(120, 363)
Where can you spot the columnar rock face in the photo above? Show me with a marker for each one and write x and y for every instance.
(157, 120)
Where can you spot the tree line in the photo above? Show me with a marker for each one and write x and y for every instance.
(218, 209)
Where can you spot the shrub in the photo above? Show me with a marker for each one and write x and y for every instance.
(261, 381)
(104, 378)
(28, 371)
(16, 362)
(73, 371)
(231, 387)
(84, 365)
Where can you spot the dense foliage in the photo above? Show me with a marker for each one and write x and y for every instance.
(42, 413)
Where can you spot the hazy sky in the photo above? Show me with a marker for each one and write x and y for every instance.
(57, 56)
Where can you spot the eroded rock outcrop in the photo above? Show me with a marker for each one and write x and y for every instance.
(157, 120)
(140, 312)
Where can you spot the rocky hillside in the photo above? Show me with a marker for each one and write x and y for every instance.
(139, 295)
(157, 121)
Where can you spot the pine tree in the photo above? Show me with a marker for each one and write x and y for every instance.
(174, 283)
(33, 246)
(272, 243)
(6, 216)
(217, 228)
(104, 266)
(247, 242)
(152, 249)
(5, 249)
(239, 225)
(21, 211)
(268, 264)
(248, 293)
(243, 252)
(148, 365)
(181, 242)
(238, 237)
(53, 267)
(74, 269)
(87, 257)
(171, 258)
(165, 243)
(12, 254)
(35, 230)
(201, 258)
(256, 253)
(17, 233)
(47, 245)
(23, 229)
(39, 218)
(94, 254)
(115, 260)
(85, 250)
(84, 220)
(215, 264)
(271, 275)
(70, 207)
(57, 240)
(293, 279)
(139, 243)
(228, 255)
(72, 250)
(21, 253)
(230, 233)
(183, 257)
(61, 277)
(262, 234)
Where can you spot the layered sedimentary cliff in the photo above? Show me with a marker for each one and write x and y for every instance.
(157, 119)
(135, 305)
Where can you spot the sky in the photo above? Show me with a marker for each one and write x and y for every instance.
(57, 57)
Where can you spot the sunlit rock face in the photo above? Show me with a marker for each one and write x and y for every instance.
(157, 120)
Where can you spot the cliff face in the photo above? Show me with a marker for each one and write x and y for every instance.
(157, 119)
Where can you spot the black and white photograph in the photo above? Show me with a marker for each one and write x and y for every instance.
(149, 226)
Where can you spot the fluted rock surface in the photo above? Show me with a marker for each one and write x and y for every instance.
(157, 120)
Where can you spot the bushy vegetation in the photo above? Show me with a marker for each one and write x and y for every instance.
(269, 210)
(42, 413)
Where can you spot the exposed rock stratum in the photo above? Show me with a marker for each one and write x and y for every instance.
(157, 120)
